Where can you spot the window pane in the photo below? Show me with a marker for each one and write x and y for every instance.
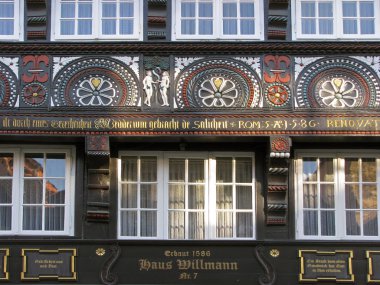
(327, 169)
(327, 196)
(177, 170)
(247, 27)
(188, 27)
(310, 196)
(32, 218)
(367, 9)
(205, 27)
(351, 169)
(67, 28)
(369, 197)
(6, 218)
(128, 223)
(148, 224)
(148, 169)
(244, 225)
(84, 10)
(350, 27)
(196, 199)
(129, 168)
(326, 27)
(176, 196)
(353, 223)
(349, 9)
(196, 170)
(229, 27)
(67, 10)
(126, 27)
(54, 218)
(308, 26)
(352, 196)
(84, 27)
(55, 165)
(367, 27)
(6, 27)
(34, 165)
(224, 198)
(129, 196)
(109, 9)
(310, 223)
(148, 196)
(308, 9)
(229, 9)
(5, 191)
(187, 9)
(327, 223)
(370, 223)
(33, 191)
(6, 164)
(223, 170)
(55, 191)
(6, 10)
(247, 10)
(176, 225)
(126, 9)
(325, 9)
(369, 169)
(243, 170)
(243, 197)
(205, 9)
(310, 169)
(196, 225)
(224, 225)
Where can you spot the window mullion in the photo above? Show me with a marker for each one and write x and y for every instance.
(361, 208)
(234, 206)
(340, 184)
(186, 210)
(138, 209)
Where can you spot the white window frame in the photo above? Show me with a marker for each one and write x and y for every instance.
(210, 192)
(217, 23)
(96, 24)
(337, 23)
(17, 189)
(339, 182)
(18, 22)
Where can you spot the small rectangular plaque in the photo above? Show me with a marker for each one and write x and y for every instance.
(326, 266)
(373, 258)
(49, 264)
(4, 274)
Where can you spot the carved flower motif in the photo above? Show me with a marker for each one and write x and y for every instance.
(218, 92)
(339, 93)
(96, 91)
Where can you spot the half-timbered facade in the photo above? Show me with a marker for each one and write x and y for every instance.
(189, 141)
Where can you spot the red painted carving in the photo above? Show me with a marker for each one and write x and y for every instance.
(36, 72)
(277, 68)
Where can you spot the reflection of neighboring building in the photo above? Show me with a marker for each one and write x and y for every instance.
(169, 140)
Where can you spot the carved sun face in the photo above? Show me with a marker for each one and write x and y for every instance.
(218, 92)
(339, 93)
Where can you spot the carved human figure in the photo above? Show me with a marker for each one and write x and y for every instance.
(164, 86)
(148, 87)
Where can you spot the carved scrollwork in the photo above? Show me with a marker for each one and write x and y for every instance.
(270, 276)
(106, 276)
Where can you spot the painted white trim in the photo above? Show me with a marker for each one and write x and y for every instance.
(339, 158)
(18, 21)
(337, 24)
(96, 24)
(217, 23)
(210, 191)
(17, 188)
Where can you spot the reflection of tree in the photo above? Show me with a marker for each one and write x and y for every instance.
(6, 166)
(367, 197)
